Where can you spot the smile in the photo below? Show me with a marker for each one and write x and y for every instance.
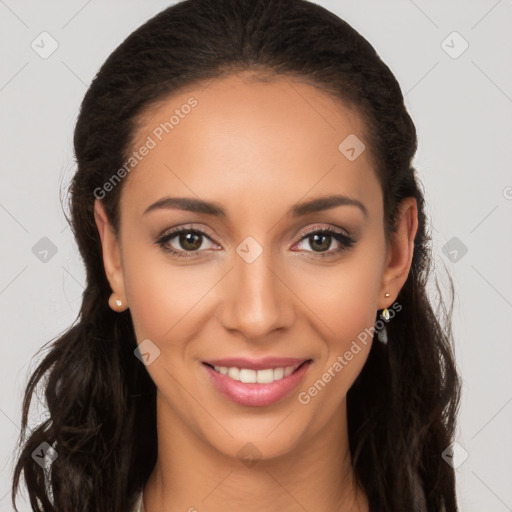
(256, 387)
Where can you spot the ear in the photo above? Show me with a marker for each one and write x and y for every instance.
(400, 252)
(111, 251)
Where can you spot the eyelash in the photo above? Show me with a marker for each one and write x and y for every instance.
(346, 241)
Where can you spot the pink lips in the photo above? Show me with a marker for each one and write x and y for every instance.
(256, 394)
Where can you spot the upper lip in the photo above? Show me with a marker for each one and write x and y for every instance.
(257, 364)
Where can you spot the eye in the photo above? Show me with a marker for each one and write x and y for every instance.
(180, 241)
(320, 240)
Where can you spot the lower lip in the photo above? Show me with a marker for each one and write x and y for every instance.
(255, 394)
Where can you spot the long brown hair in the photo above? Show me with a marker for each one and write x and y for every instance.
(402, 407)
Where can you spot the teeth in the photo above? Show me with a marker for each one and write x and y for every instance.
(278, 373)
(234, 373)
(288, 370)
(248, 376)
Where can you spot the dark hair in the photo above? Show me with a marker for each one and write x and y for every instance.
(101, 401)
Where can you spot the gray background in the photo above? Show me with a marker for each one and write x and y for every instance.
(461, 104)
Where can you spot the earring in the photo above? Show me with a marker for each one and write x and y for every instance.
(115, 303)
(382, 333)
(385, 313)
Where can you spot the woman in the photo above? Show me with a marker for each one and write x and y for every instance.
(255, 333)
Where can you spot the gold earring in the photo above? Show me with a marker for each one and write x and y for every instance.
(385, 313)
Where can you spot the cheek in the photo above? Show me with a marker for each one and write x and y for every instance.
(161, 294)
(344, 298)
(343, 303)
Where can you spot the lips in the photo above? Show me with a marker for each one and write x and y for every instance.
(224, 374)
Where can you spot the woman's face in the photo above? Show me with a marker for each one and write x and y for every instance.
(252, 282)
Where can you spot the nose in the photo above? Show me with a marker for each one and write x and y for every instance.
(256, 299)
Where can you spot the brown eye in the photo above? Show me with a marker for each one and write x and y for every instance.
(179, 242)
(190, 241)
(320, 240)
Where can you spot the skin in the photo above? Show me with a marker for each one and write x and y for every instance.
(257, 149)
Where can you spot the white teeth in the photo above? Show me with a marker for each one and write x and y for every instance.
(234, 373)
(278, 373)
(265, 376)
(248, 376)
(288, 370)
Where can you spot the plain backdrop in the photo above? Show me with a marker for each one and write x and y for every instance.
(453, 61)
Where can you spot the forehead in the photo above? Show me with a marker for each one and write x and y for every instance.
(238, 137)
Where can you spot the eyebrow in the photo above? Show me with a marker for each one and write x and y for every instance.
(317, 204)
